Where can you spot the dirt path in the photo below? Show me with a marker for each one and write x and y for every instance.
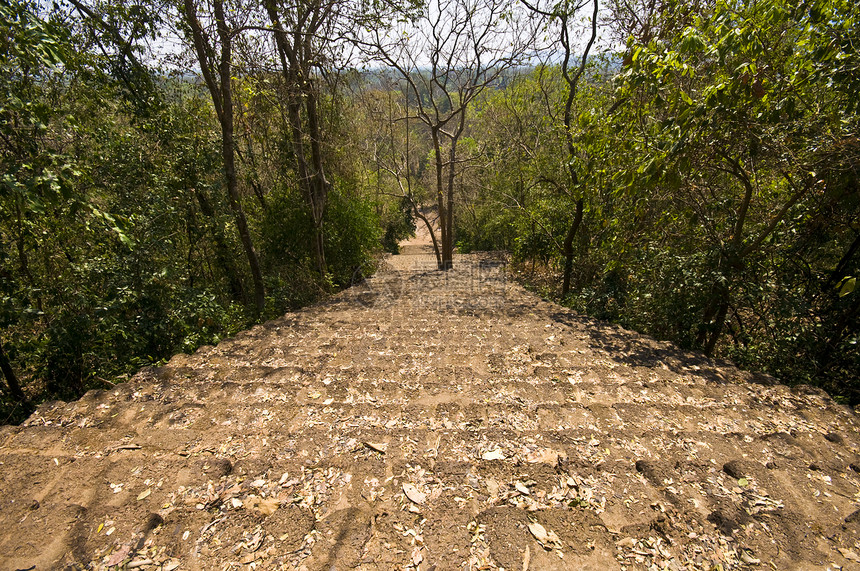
(435, 421)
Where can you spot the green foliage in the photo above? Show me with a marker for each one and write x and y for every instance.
(117, 244)
(352, 235)
(745, 137)
(398, 223)
(718, 169)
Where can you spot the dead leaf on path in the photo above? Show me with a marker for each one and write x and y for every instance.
(749, 559)
(377, 447)
(414, 494)
(264, 506)
(849, 554)
(496, 454)
(170, 565)
(522, 488)
(548, 539)
(544, 456)
(527, 557)
(119, 556)
(143, 495)
(255, 542)
(417, 556)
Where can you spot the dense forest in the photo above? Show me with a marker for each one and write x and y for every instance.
(176, 171)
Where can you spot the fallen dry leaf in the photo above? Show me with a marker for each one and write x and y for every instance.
(543, 456)
(548, 539)
(143, 495)
(414, 494)
(377, 447)
(255, 542)
(118, 556)
(849, 554)
(417, 556)
(496, 454)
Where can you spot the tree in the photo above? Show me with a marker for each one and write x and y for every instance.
(447, 55)
(565, 13)
(214, 51)
(300, 32)
(747, 149)
(30, 49)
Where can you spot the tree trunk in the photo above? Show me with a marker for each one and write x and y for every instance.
(307, 185)
(448, 253)
(714, 318)
(568, 248)
(432, 237)
(222, 251)
(319, 248)
(440, 198)
(320, 185)
(228, 151)
(717, 330)
(839, 272)
(221, 90)
(242, 222)
(295, 69)
(11, 379)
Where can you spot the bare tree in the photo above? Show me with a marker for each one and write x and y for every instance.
(392, 151)
(447, 54)
(633, 18)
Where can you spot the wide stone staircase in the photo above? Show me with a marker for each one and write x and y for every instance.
(435, 421)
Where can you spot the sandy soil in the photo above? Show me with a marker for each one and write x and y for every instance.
(435, 421)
